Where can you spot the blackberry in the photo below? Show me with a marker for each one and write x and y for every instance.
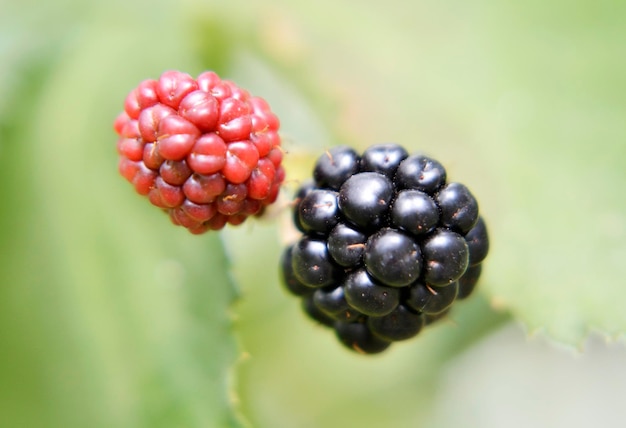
(431, 300)
(311, 263)
(318, 211)
(446, 257)
(393, 258)
(468, 281)
(459, 209)
(414, 211)
(358, 337)
(332, 301)
(364, 199)
(367, 296)
(477, 242)
(346, 245)
(203, 150)
(315, 313)
(304, 190)
(383, 158)
(388, 245)
(420, 172)
(293, 284)
(400, 324)
(335, 167)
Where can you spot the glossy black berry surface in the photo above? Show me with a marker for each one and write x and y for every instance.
(359, 338)
(415, 212)
(335, 166)
(293, 284)
(332, 301)
(364, 199)
(400, 324)
(459, 209)
(312, 264)
(446, 257)
(303, 190)
(368, 296)
(420, 172)
(383, 158)
(346, 245)
(393, 258)
(318, 211)
(468, 281)
(431, 300)
(387, 245)
(477, 242)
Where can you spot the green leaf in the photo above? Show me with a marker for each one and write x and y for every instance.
(290, 376)
(487, 393)
(479, 87)
(523, 103)
(109, 315)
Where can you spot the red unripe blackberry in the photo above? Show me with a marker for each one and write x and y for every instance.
(203, 150)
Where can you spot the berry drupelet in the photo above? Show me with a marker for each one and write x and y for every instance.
(203, 150)
(388, 245)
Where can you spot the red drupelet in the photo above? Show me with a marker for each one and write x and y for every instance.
(203, 150)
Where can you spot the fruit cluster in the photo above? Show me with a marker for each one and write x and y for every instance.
(204, 150)
(387, 245)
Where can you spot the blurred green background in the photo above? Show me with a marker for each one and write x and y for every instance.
(112, 317)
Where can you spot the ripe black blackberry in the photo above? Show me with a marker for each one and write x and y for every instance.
(388, 245)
